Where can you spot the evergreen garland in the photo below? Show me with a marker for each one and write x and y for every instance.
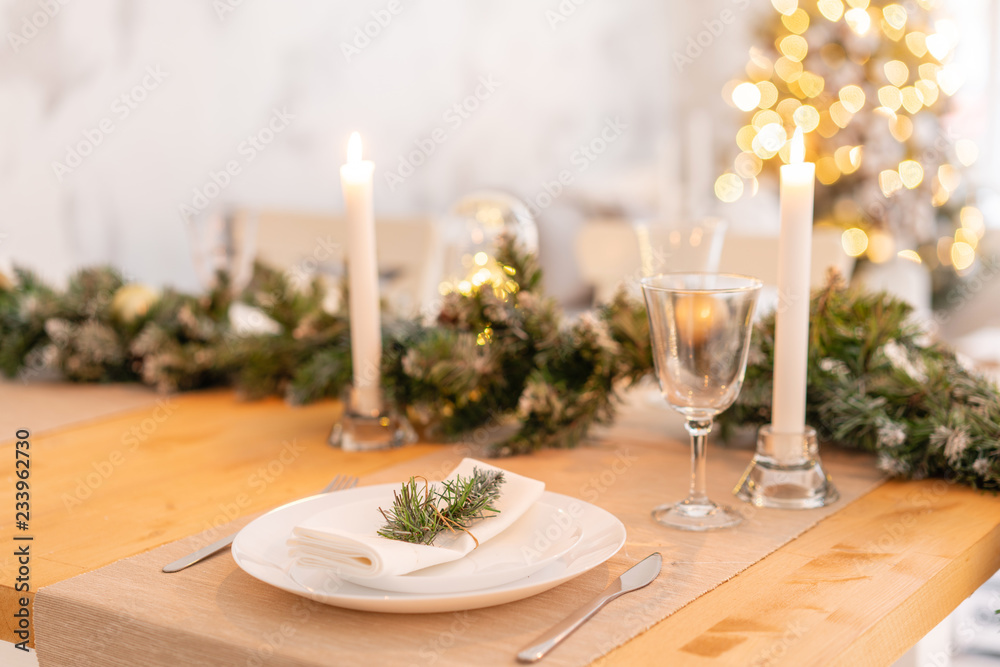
(501, 365)
(876, 385)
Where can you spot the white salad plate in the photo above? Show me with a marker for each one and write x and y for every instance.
(561, 538)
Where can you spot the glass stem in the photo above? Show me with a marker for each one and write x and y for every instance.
(699, 430)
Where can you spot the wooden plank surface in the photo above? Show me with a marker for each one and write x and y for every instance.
(859, 588)
(113, 488)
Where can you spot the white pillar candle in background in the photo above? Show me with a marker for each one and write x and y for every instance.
(366, 321)
(791, 337)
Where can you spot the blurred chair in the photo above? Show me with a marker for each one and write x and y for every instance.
(690, 248)
(308, 244)
(758, 256)
(607, 254)
(613, 252)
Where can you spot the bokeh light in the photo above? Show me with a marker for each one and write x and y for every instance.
(858, 20)
(972, 220)
(912, 99)
(966, 151)
(916, 42)
(806, 117)
(794, 47)
(827, 172)
(901, 128)
(881, 246)
(728, 187)
(888, 60)
(797, 22)
(811, 84)
(768, 94)
(852, 97)
(854, 241)
(890, 182)
(911, 173)
(896, 72)
(785, 7)
(890, 97)
(962, 255)
(831, 10)
(895, 15)
(746, 96)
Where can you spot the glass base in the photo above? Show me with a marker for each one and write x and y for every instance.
(355, 432)
(786, 473)
(701, 516)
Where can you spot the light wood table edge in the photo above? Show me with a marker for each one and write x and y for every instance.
(896, 632)
(886, 636)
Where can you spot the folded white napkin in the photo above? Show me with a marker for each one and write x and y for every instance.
(345, 538)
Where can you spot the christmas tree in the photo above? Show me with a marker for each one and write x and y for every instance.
(869, 82)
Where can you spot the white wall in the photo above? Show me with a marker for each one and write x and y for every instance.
(564, 67)
(560, 81)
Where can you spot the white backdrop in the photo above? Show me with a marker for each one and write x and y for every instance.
(223, 68)
(162, 94)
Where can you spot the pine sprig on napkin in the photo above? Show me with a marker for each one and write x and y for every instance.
(418, 515)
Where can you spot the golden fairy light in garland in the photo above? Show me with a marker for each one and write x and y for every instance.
(868, 82)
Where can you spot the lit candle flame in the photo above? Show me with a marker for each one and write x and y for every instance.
(797, 151)
(354, 148)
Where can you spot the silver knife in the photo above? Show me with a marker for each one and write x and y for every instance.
(641, 574)
(200, 554)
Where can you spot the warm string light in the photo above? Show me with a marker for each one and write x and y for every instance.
(905, 57)
(482, 271)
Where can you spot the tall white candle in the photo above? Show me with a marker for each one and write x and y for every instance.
(791, 337)
(366, 323)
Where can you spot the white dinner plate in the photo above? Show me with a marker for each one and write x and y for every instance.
(260, 550)
(544, 534)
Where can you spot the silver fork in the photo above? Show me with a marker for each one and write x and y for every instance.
(339, 483)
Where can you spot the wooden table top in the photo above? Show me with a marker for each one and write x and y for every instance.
(859, 588)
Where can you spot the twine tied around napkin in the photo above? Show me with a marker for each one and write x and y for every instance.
(345, 539)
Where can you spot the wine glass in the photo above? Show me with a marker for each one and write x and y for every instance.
(700, 325)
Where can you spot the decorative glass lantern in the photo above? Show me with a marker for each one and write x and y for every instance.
(469, 234)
